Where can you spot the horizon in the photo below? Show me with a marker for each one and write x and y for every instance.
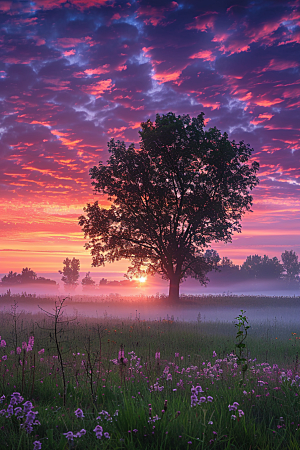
(73, 75)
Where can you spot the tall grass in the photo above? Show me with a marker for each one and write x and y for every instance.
(135, 379)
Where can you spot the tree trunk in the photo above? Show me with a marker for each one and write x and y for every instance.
(174, 289)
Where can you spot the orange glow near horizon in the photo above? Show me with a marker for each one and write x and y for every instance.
(42, 236)
(65, 96)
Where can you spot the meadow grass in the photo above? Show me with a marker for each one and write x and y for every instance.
(146, 384)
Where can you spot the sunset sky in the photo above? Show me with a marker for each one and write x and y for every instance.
(75, 73)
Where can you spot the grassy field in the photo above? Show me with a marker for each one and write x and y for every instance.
(132, 384)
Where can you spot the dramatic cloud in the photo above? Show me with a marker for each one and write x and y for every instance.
(74, 74)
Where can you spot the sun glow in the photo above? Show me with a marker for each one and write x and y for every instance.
(142, 279)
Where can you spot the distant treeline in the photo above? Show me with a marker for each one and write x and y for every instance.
(256, 267)
(27, 276)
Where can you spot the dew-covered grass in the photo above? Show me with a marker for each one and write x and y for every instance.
(137, 384)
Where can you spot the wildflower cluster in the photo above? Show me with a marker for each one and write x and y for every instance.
(99, 432)
(24, 414)
(234, 407)
(70, 435)
(104, 415)
(194, 397)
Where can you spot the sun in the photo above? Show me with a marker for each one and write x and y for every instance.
(142, 279)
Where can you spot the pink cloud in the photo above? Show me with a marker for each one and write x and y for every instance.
(262, 118)
(58, 85)
(206, 55)
(166, 76)
(72, 42)
(98, 70)
(266, 102)
(154, 15)
(80, 4)
(99, 88)
(280, 65)
(69, 52)
(203, 22)
(5, 5)
(121, 67)
(117, 132)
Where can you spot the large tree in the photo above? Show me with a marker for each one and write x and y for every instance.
(181, 190)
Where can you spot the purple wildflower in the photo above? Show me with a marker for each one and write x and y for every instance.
(80, 433)
(99, 431)
(233, 407)
(69, 435)
(18, 411)
(121, 355)
(10, 410)
(16, 398)
(2, 343)
(194, 400)
(27, 406)
(30, 416)
(37, 445)
(30, 343)
(79, 413)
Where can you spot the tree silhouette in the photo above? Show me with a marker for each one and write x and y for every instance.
(70, 272)
(183, 189)
(259, 267)
(87, 280)
(28, 275)
(229, 272)
(291, 265)
(11, 278)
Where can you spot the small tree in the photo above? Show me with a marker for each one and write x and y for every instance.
(182, 190)
(87, 280)
(70, 272)
(291, 265)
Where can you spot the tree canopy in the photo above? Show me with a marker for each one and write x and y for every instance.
(291, 265)
(183, 189)
(70, 272)
(262, 267)
(87, 281)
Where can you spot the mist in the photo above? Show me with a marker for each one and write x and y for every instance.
(263, 301)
